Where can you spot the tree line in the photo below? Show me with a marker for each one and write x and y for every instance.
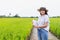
(16, 15)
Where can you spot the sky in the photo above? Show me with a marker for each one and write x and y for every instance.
(29, 7)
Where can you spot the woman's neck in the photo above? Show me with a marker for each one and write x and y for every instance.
(43, 15)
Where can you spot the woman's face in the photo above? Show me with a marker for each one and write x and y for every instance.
(42, 12)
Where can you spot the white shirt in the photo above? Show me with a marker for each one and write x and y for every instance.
(42, 20)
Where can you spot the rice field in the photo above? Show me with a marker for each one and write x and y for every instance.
(55, 26)
(15, 28)
(20, 28)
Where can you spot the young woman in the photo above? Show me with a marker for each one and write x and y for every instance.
(43, 24)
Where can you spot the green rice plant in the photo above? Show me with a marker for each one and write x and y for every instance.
(55, 26)
(15, 28)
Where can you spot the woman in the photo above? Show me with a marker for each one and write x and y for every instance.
(43, 24)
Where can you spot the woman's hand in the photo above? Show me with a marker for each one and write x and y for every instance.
(36, 26)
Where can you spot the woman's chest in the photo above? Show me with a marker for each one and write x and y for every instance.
(41, 20)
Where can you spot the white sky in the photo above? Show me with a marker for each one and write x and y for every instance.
(29, 7)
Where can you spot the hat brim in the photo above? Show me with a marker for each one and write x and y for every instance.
(40, 10)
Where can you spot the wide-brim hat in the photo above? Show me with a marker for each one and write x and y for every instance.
(42, 8)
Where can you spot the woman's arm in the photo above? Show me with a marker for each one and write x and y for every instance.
(46, 21)
(43, 26)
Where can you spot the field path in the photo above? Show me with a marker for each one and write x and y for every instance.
(34, 35)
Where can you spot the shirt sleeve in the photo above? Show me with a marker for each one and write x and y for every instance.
(46, 18)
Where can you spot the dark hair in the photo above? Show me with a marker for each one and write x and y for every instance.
(43, 9)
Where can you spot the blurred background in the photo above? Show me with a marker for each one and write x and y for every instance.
(28, 7)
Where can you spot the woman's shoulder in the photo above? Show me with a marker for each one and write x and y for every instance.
(47, 16)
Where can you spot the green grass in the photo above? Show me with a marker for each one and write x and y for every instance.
(15, 28)
(55, 26)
